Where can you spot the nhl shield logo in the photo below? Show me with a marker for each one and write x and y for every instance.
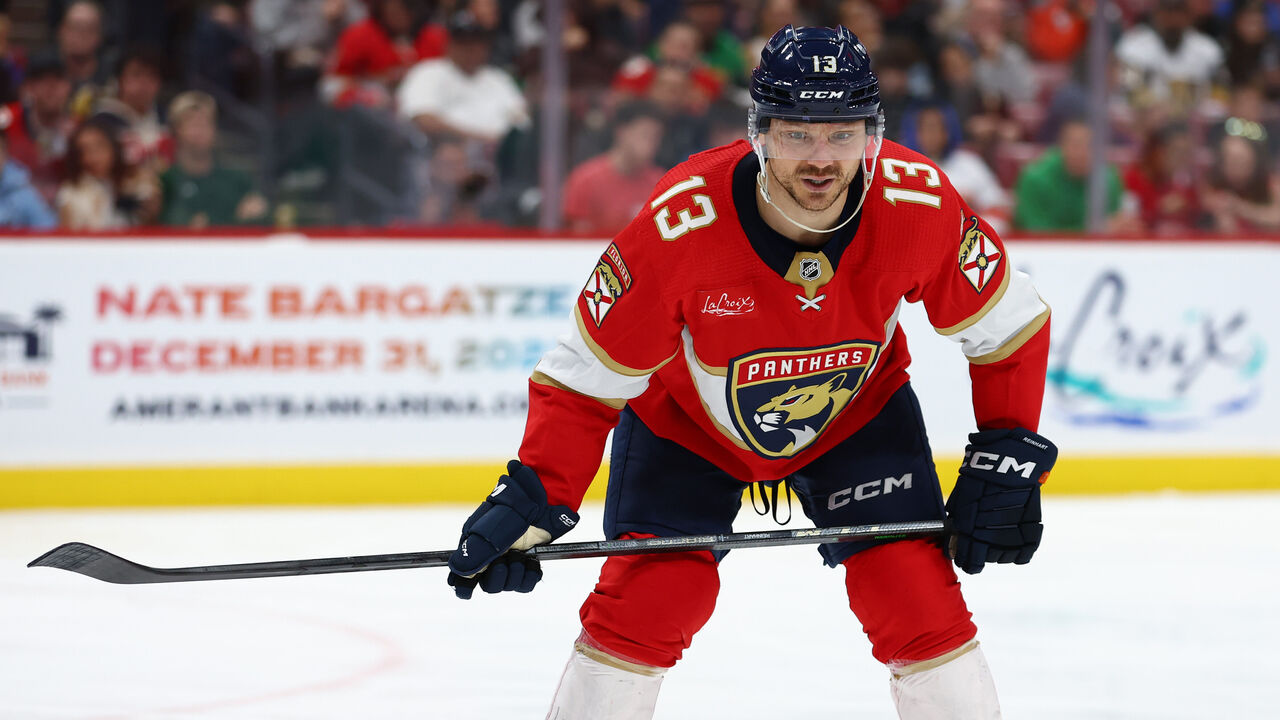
(782, 400)
(810, 269)
(979, 256)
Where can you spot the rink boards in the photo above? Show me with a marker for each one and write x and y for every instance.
(284, 369)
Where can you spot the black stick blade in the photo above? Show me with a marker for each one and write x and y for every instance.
(96, 563)
(102, 565)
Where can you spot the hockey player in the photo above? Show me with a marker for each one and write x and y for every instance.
(743, 328)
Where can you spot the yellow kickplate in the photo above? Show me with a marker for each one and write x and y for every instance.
(470, 482)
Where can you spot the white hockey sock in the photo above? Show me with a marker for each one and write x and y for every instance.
(955, 686)
(597, 685)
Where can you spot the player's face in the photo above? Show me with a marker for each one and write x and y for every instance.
(814, 162)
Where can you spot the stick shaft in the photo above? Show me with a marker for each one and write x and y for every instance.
(102, 565)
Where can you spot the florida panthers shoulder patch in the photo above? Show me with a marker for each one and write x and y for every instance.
(607, 284)
(979, 256)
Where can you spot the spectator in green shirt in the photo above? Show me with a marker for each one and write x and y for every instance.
(198, 191)
(1051, 192)
(721, 49)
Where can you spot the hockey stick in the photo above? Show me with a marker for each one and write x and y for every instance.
(102, 565)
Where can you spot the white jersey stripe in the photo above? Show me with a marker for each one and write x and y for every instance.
(572, 364)
(890, 327)
(1012, 344)
(1016, 309)
(711, 390)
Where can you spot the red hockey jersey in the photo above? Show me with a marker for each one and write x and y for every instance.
(761, 365)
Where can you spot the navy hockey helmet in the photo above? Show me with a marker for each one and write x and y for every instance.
(814, 74)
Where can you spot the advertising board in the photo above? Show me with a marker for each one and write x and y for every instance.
(280, 368)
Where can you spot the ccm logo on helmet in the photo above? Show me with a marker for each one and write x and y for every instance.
(821, 94)
(988, 461)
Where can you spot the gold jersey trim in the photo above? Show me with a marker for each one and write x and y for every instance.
(706, 409)
(982, 312)
(926, 665)
(605, 658)
(609, 362)
(544, 379)
(720, 374)
(1012, 344)
(710, 369)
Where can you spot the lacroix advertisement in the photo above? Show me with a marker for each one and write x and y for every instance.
(1157, 349)
(280, 350)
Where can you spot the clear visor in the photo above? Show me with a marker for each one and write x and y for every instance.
(818, 142)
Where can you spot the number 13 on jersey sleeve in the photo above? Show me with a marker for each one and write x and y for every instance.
(685, 219)
(894, 169)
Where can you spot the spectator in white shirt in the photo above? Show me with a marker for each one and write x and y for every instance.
(1002, 67)
(1167, 61)
(935, 131)
(460, 96)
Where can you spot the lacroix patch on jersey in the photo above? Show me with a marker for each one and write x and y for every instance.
(724, 303)
(782, 400)
(608, 282)
(979, 256)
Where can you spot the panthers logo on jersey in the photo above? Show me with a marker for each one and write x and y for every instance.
(782, 400)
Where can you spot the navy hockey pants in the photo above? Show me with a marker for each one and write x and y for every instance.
(882, 473)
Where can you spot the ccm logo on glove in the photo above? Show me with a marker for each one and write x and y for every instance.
(988, 461)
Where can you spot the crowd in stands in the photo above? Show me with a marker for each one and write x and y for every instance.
(205, 114)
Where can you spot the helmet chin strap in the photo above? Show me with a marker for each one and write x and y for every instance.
(762, 182)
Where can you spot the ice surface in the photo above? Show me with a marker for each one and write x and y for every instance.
(1136, 607)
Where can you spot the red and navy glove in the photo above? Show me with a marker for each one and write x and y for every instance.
(995, 507)
(515, 516)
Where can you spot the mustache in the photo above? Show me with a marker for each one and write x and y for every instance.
(817, 172)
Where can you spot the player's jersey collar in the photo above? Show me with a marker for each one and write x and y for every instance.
(774, 248)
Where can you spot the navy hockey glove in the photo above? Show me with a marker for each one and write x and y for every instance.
(995, 506)
(515, 516)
